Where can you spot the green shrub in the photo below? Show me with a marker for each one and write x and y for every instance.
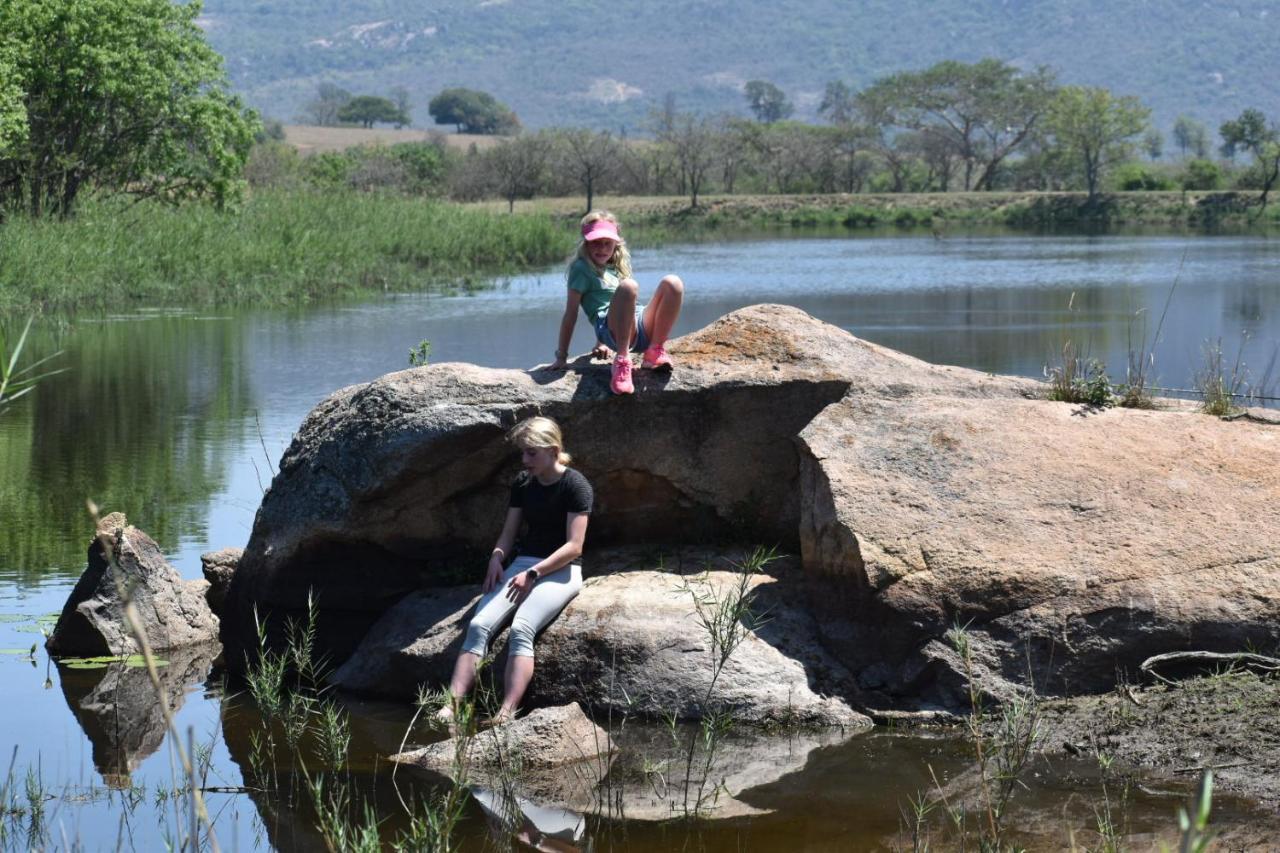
(1201, 175)
(1140, 177)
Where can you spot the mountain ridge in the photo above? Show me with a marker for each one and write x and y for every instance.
(569, 62)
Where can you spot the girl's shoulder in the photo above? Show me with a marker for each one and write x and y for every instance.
(581, 266)
(576, 479)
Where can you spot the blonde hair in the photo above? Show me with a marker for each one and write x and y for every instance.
(539, 433)
(621, 259)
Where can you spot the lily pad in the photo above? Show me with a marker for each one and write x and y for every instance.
(28, 629)
(13, 617)
(26, 653)
(107, 660)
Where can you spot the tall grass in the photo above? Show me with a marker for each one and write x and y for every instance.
(281, 247)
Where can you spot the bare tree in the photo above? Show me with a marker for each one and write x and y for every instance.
(589, 156)
(692, 141)
(519, 165)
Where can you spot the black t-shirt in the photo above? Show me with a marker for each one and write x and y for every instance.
(545, 509)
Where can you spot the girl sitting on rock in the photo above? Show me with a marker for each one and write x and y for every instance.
(600, 281)
(553, 502)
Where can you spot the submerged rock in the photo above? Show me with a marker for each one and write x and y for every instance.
(126, 565)
(633, 642)
(545, 738)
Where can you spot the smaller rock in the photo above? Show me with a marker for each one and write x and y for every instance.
(219, 567)
(546, 738)
(126, 566)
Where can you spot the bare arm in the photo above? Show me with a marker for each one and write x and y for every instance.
(567, 322)
(503, 548)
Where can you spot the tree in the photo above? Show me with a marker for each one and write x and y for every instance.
(1153, 143)
(400, 97)
(589, 156)
(517, 166)
(838, 104)
(473, 111)
(768, 103)
(1096, 128)
(1251, 132)
(118, 96)
(983, 111)
(693, 139)
(1191, 135)
(329, 101)
(367, 110)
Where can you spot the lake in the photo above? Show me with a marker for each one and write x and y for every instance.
(177, 418)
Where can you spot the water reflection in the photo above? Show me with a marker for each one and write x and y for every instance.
(118, 706)
(513, 817)
(143, 421)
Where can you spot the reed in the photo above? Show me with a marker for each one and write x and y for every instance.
(281, 247)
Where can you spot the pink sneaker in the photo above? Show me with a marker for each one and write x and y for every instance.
(656, 358)
(620, 383)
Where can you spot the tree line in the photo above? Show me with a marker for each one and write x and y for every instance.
(954, 126)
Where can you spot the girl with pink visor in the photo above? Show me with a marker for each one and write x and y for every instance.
(600, 283)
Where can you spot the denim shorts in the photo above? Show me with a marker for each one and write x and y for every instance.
(605, 336)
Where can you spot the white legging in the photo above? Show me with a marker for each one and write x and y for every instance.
(548, 597)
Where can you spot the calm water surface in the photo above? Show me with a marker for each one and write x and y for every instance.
(177, 419)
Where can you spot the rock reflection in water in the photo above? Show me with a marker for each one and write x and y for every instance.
(651, 780)
(654, 779)
(119, 710)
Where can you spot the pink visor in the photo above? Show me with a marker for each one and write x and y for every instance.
(599, 229)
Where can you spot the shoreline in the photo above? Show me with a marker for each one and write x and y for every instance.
(285, 248)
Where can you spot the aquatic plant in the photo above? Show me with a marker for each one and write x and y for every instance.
(1194, 825)
(1002, 748)
(727, 618)
(1219, 389)
(1075, 379)
(282, 247)
(16, 381)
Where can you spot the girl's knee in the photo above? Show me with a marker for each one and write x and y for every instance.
(672, 283)
(477, 639)
(628, 287)
(520, 641)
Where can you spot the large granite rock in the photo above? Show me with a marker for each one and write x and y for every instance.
(126, 565)
(401, 483)
(1072, 543)
(633, 642)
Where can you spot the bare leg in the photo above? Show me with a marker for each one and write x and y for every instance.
(516, 682)
(660, 314)
(622, 315)
(464, 675)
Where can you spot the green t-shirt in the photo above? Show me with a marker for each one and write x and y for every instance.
(596, 289)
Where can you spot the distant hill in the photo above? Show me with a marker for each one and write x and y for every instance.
(571, 62)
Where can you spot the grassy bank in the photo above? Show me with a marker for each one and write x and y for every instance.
(294, 246)
(660, 216)
(280, 248)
